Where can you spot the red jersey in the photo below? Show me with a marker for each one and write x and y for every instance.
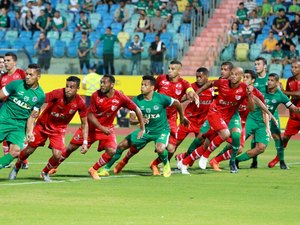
(294, 85)
(229, 99)
(58, 113)
(105, 109)
(175, 90)
(205, 99)
(243, 108)
(5, 79)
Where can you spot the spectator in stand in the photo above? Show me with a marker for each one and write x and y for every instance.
(140, 5)
(43, 22)
(292, 55)
(172, 7)
(158, 24)
(4, 20)
(269, 43)
(59, 23)
(165, 14)
(108, 50)
(36, 8)
(150, 11)
(49, 10)
(256, 23)
(88, 6)
(281, 22)
(156, 4)
(285, 42)
(294, 29)
(278, 55)
(277, 6)
(83, 23)
(74, 6)
(16, 23)
(144, 23)
(83, 50)
(188, 14)
(25, 8)
(121, 14)
(17, 5)
(247, 34)
(156, 51)
(44, 52)
(5, 4)
(233, 34)
(294, 8)
(250, 5)
(28, 22)
(266, 9)
(136, 48)
(241, 13)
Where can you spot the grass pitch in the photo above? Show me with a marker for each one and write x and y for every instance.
(253, 196)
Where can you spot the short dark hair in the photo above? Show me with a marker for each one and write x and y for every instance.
(110, 77)
(150, 78)
(83, 33)
(281, 9)
(227, 63)
(261, 59)
(175, 62)
(203, 70)
(35, 67)
(275, 75)
(252, 73)
(74, 79)
(108, 28)
(13, 55)
(1, 57)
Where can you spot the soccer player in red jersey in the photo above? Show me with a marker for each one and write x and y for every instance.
(176, 87)
(232, 93)
(293, 124)
(12, 73)
(62, 104)
(103, 109)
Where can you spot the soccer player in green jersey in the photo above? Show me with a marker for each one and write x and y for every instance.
(19, 111)
(273, 97)
(153, 106)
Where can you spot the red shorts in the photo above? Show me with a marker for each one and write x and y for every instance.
(105, 141)
(57, 140)
(216, 121)
(243, 135)
(193, 128)
(173, 132)
(292, 127)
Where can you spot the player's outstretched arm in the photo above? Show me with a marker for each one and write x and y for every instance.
(264, 108)
(183, 120)
(266, 121)
(85, 131)
(295, 109)
(2, 95)
(207, 85)
(30, 125)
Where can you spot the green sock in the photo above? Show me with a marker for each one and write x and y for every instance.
(116, 156)
(253, 143)
(279, 148)
(163, 156)
(236, 139)
(195, 144)
(5, 160)
(243, 157)
(225, 149)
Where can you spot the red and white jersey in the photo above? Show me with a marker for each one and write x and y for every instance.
(59, 113)
(229, 99)
(294, 85)
(175, 90)
(105, 109)
(5, 79)
(243, 108)
(192, 112)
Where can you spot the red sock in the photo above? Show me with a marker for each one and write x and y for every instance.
(193, 156)
(132, 151)
(216, 142)
(210, 134)
(22, 157)
(170, 155)
(5, 147)
(50, 165)
(156, 161)
(105, 158)
(181, 156)
(225, 156)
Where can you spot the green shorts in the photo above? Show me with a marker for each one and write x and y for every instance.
(162, 137)
(13, 132)
(235, 122)
(258, 129)
(275, 129)
(205, 127)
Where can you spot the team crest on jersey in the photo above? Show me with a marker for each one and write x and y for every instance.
(115, 101)
(34, 99)
(237, 97)
(155, 107)
(274, 101)
(148, 110)
(142, 107)
(101, 100)
(164, 82)
(113, 108)
(15, 77)
(21, 93)
(178, 92)
(77, 137)
(26, 98)
(72, 111)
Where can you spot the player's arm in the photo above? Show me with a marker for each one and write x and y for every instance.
(294, 108)
(30, 125)
(207, 85)
(85, 131)
(288, 92)
(183, 120)
(266, 119)
(3, 94)
(141, 121)
(92, 118)
(264, 108)
(192, 96)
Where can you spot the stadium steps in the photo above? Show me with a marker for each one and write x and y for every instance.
(206, 47)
